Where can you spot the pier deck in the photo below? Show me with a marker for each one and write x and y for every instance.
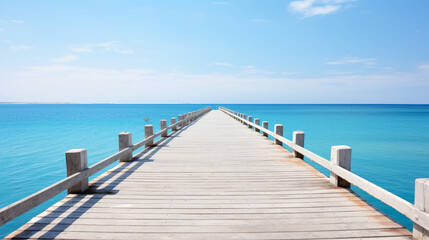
(213, 179)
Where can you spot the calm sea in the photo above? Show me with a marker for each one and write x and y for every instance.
(390, 142)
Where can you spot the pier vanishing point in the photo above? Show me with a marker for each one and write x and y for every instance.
(215, 174)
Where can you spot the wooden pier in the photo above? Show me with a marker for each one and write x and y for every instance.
(217, 176)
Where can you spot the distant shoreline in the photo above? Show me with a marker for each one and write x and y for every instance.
(36, 103)
(71, 103)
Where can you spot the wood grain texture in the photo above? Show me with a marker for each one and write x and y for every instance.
(212, 179)
(414, 213)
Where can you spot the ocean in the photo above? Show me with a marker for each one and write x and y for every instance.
(390, 143)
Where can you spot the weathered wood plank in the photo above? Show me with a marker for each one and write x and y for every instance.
(199, 184)
(340, 234)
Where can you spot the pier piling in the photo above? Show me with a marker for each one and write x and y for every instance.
(278, 129)
(125, 140)
(148, 131)
(298, 139)
(76, 161)
(342, 157)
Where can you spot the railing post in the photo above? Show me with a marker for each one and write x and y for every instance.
(163, 125)
(125, 140)
(342, 157)
(257, 122)
(421, 201)
(173, 121)
(278, 129)
(244, 118)
(298, 139)
(180, 118)
(76, 161)
(265, 125)
(148, 131)
(250, 119)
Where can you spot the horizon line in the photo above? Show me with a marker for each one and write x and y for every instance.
(71, 103)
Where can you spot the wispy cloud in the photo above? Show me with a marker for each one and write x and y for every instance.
(224, 64)
(424, 69)
(254, 70)
(288, 73)
(11, 21)
(113, 46)
(65, 59)
(309, 8)
(85, 48)
(424, 66)
(335, 72)
(353, 60)
(112, 85)
(16, 21)
(19, 47)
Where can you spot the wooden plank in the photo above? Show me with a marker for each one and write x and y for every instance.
(406, 208)
(340, 234)
(16, 209)
(201, 185)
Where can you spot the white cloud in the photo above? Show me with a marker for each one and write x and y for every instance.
(65, 59)
(16, 47)
(224, 64)
(288, 73)
(19, 47)
(335, 72)
(353, 60)
(113, 46)
(85, 48)
(52, 83)
(255, 70)
(124, 51)
(11, 21)
(309, 8)
(424, 67)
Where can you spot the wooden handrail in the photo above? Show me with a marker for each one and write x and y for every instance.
(16, 209)
(401, 205)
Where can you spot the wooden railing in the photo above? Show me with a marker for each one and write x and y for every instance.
(341, 176)
(78, 172)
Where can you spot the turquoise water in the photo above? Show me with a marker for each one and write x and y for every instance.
(389, 142)
(34, 139)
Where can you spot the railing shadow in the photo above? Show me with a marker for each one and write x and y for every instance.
(72, 209)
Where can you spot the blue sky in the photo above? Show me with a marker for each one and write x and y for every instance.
(302, 51)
